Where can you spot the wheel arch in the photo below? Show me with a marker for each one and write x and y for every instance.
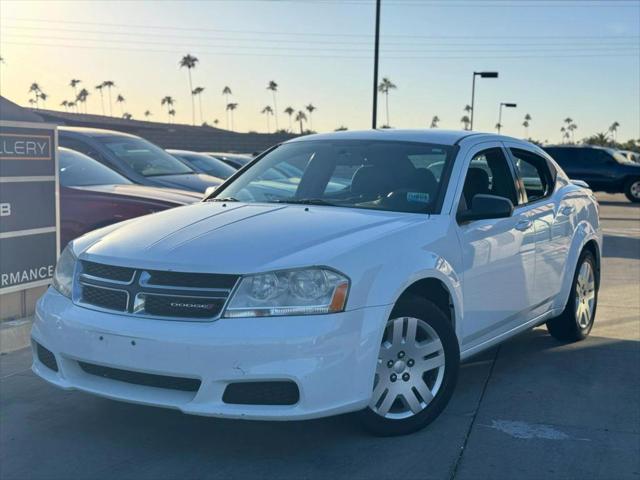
(436, 291)
(586, 237)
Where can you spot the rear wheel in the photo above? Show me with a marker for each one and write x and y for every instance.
(576, 321)
(416, 372)
(632, 190)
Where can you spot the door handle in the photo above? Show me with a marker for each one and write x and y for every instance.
(568, 210)
(523, 225)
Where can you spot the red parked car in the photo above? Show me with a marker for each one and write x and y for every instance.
(93, 196)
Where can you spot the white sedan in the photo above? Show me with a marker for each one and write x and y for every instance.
(316, 300)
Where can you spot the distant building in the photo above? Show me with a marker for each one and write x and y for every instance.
(170, 135)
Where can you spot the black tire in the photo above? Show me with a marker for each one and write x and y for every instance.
(632, 190)
(417, 307)
(566, 326)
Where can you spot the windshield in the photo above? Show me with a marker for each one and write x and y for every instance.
(382, 175)
(208, 164)
(144, 157)
(77, 170)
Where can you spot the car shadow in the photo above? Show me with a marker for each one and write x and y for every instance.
(621, 247)
(614, 203)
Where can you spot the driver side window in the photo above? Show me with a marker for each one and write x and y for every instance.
(488, 174)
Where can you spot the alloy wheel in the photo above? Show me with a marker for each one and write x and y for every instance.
(635, 189)
(585, 295)
(410, 369)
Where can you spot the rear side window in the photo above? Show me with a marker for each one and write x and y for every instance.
(534, 173)
(566, 157)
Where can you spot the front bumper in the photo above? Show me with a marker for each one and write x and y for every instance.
(331, 358)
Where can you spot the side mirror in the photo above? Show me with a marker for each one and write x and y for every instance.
(487, 206)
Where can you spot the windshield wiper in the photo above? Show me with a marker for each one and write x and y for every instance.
(305, 201)
(225, 199)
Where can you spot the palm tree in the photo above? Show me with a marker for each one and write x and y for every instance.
(384, 87)
(572, 128)
(466, 121)
(99, 88)
(32, 102)
(189, 62)
(499, 126)
(289, 111)
(273, 86)
(230, 109)
(226, 91)
(168, 101)
(467, 109)
(147, 114)
(109, 84)
(614, 130)
(268, 111)
(127, 116)
(120, 99)
(310, 108)
(82, 98)
(301, 117)
(43, 97)
(74, 84)
(198, 91)
(35, 89)
(65, 104)
(434, 121)
(72, 105)
(527, 121)
(172, 113)
(216, 121)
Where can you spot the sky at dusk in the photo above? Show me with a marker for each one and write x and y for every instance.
(578, 59)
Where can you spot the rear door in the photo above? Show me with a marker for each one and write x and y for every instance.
(552, 217)
(498, 255)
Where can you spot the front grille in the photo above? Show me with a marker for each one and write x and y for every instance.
(46, 357)
(153, 293)
(108, 272)
(144, 379)
(166, 306)
(262, 393)
(105, 298)
(191, 280)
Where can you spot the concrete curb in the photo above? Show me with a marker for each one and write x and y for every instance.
(15, 334)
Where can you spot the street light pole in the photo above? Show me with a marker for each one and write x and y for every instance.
(473, 91)
(508, 105)
(375, 67)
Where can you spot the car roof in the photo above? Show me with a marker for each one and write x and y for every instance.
(598, 147)
(184, 152)
(95, 132)
(433, 135)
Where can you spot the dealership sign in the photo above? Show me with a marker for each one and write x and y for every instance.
(29, 216)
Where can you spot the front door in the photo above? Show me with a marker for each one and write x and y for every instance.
(498, 254)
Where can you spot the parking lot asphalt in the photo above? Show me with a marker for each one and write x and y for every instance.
(531, 408)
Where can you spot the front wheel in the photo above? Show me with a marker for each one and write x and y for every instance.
(632, 190)
(416, 372)
(576, 321)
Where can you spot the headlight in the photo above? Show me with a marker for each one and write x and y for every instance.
(305, 291)
(63, 275)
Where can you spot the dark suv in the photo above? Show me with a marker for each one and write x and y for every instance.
(604, 169)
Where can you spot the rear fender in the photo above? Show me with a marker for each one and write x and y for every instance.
(584, 233)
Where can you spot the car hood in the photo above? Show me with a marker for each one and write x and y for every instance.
(196, 182)
(163, 195)
(240, 238)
